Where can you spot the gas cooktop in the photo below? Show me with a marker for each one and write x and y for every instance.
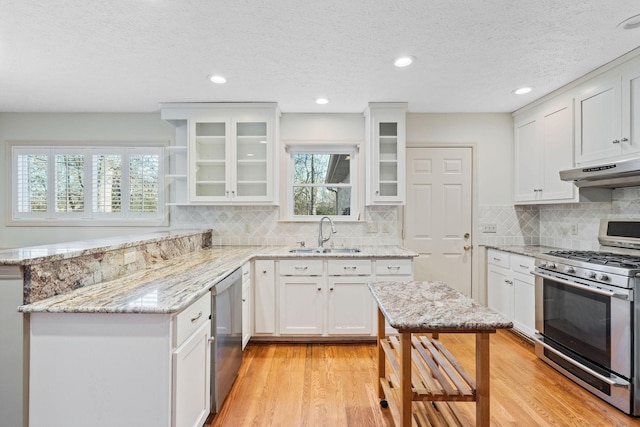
(602, 258)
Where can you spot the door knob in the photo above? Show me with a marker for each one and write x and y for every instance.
(467, 247)
(467, 235)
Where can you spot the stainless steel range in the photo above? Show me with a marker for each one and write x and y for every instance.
(586, 311)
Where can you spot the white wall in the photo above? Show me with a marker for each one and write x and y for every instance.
(87, 127)
(493, 134)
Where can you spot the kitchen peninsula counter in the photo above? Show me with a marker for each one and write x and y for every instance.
(422, 369)
(170, 286)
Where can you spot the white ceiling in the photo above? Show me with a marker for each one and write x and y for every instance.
(129, 55)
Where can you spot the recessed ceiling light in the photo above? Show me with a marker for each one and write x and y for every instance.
(404, 61)
(522, 90)
(322, 101)
(217, 79)
(630, 23)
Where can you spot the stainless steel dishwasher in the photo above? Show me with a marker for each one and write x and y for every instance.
(226, 324)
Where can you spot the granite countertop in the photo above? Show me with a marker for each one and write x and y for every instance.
(527, 250)
(171, 286)
(35, 254)
(433, 307)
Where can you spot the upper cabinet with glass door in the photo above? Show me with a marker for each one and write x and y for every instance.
(231, 152)
(386, 148)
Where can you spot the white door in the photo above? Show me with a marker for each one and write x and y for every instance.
(438, 214)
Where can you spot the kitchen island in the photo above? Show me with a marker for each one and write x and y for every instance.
(425, 378)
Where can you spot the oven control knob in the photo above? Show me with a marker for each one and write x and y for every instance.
(603, 277)
(591, 275)
(543, 264)
(569, 270)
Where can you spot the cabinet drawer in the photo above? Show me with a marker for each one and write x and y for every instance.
(191, 318)
(310, 267)
(521, 264)
(393, 267)
(349, 267)
(498, 258)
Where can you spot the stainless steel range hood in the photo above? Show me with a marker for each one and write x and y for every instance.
(624, 173)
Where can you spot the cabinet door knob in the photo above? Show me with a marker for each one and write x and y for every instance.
(624, 139)
(616, 141)
(467, 247)
(319, 289)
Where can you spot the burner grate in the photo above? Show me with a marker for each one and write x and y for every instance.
(601, 258)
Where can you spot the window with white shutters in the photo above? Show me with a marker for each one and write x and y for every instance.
(95, 185)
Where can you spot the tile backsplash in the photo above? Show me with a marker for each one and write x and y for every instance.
(569, 225)
(261, 225)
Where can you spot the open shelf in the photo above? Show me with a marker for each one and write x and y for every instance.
(437, 381)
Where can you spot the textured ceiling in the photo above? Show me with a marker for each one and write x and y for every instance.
(129, 55)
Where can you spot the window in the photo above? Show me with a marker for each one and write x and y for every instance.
(91, 186)
(321, 182)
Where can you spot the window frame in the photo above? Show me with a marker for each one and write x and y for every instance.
(355, 183)
(87, 217)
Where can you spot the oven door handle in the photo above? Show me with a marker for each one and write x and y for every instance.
(583, 287)
(601, 377)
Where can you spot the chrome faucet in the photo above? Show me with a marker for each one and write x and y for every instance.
(321, 238)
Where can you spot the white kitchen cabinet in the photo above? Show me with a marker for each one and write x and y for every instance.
(385, 134)
(191, 379)
(119, 369)
(264, 297)
(607, 117)
(247, 306)
(349, 302)
(302, 294)
(510, 288)
(543, 139)
(523, 293)
(231, 151)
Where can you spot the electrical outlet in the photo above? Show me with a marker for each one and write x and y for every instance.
(247, 227)
(385, 227)
(129, 257)
(372, 227)
(489, 228)
(573, 229)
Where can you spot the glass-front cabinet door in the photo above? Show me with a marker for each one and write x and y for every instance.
(386, 153)
(252, 160)
(231, 156)
(209, 160)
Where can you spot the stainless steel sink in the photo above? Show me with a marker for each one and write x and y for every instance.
(341, 251)
(325, 251)
(304, 251)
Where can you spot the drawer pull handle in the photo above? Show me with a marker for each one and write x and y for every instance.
(393, 267)
(297, 267)
(524, 266)
(352, 268)
(194, 319)
(497, 259)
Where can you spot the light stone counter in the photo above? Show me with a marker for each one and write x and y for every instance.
(48, 253)
(527, 250)
(172, 285)
(433, 307)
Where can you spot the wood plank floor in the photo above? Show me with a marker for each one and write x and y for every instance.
(335, 385)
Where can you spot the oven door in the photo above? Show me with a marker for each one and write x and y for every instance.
(585, 332)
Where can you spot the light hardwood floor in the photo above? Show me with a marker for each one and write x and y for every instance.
(335, 385)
